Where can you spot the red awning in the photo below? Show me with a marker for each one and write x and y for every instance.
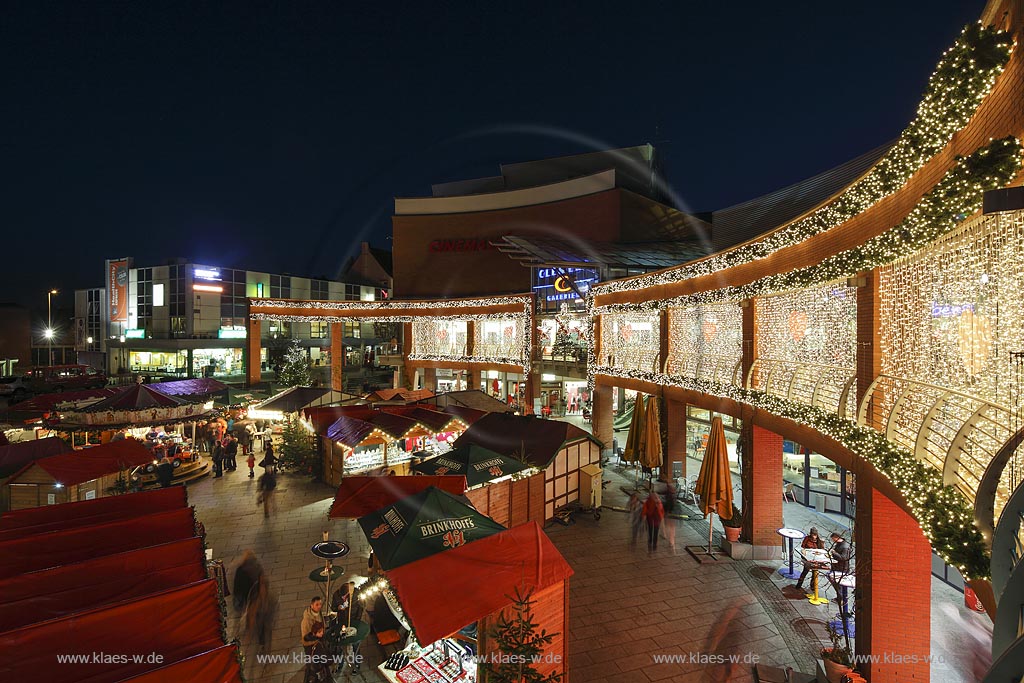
(220, 665)
(53, 549)
(16, 455)
(485, 571)
(176, 624)
(359, 496)
(79, 586)
(89, 512)
(77, 467)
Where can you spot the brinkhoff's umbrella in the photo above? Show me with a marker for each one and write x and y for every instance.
(714, 483)
(422, 525)
(480, 465)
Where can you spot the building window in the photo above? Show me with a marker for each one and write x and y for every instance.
(144, 298)
(280, 287)
(318, 330)
(353, 292)
(319, 290)
(351, 330)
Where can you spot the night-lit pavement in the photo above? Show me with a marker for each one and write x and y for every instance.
(626, 605)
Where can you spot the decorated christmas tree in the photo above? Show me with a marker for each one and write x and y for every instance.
(298, 449)
(520, 646)
(563, 345)
(295, 371)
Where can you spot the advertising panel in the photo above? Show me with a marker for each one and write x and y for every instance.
(117, 286)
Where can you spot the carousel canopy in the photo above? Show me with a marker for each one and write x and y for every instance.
(200, 387)
(418, 526)
(478, 464)
(536, 441)
(16, 455)
(358, 496)
(77, 467)
(485, 573)
(47, 403)
(137, 397)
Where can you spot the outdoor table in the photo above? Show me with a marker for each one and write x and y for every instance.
(362, 630)
(792, 535)
(817, 559)
(845, 582)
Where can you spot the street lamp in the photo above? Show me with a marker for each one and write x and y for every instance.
(49, 327)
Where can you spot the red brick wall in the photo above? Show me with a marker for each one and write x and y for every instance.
(893, 563)
(765, 493)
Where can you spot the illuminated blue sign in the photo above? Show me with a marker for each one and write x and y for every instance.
(206, 273)
(562, 284)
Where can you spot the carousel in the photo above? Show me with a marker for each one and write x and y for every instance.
(165, 424)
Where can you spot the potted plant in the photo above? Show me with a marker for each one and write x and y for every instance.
(733, 525)
(838, 658)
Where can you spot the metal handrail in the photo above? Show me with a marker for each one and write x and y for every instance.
(815, 384)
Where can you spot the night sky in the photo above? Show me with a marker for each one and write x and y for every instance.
(274, 138)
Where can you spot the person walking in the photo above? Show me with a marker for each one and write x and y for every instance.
(636, 518)
(653, 512)
(269, 462)
(230, 452)
(669, 527)
(811, 540)
(258, 619)
(266, 486)
(247, 575)
(218, 459)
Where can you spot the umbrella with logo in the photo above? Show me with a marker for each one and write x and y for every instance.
(650, 451)
(714, 483)
(422, 525)
(479, 465)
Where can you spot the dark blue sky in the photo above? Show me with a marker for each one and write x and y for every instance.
(274, 137)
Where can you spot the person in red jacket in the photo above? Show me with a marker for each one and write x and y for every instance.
(653, 512)
(811, 540)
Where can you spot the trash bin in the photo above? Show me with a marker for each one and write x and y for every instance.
(819, 502)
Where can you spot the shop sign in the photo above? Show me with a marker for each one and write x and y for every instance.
(201, 273)
(556, 284)
(117, 288)
(460, 245)
(233, 333)
(950, 310)
(135, 334)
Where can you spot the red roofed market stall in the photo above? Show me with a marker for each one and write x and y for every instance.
(358, 496)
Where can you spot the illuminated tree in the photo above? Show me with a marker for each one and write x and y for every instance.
(295, 371)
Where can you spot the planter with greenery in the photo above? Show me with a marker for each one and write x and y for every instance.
(733, 525)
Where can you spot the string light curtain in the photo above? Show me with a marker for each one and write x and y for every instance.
(631, 341)
(439, 337)
(705, 341)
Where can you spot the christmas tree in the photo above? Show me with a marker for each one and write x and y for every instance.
(295, 372)
(298, 449)
(563, 345)
(520, 646)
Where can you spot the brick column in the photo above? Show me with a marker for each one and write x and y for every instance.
(602, 416)
(869, 357)
(430, 379)
(893, 562)
(337, 357)
(675, 412)
(762, 490)
(408, 373)
(252, 355)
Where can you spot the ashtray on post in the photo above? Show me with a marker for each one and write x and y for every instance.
(328, 551)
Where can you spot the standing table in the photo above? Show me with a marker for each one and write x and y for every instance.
(792, 535)
(817, 559)
(843, 582)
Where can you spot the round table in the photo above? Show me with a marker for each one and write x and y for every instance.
(843, 624)
(818, 559)
(792, 535)
(362, 630)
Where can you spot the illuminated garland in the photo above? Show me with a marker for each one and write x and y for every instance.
(380, 584)
(513, 300)
(961, 81)
(945, 515)
(956, 196)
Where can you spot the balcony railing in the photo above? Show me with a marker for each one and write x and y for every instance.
(823, 386)
(724, 369)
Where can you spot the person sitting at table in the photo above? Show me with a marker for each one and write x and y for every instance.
(814, 541)
(350, 612)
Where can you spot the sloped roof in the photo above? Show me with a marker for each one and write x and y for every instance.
(423, 524)
(399, 395)
(137, 397)
(77, 467)
(293, 399)
(203, 386)
(470, 398)
(537, 440)
(481, 575)
(45, 403)
(358, 496)
(28, 521)
(15, 456)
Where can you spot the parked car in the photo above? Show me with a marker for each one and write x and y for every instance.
(55, 378)
(15, 388)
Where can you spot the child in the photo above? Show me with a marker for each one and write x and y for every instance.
(251, 462)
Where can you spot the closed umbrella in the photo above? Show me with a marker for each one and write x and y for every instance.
(650, 453)
(631, 453)
(714, 483)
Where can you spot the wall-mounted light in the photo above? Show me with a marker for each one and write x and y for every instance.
(208, 288)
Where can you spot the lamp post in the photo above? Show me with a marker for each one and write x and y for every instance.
(49, 328)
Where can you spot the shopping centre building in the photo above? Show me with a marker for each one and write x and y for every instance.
(878, 329)
(182, 319)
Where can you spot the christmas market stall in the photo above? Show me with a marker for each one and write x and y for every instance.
(126, 574)
(380, 440)
(358, 496)
(507, 490)
(76, 475)
(296, 399)
(558, 448)
(15, 456)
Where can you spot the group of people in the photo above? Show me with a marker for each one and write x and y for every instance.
(224, 454)
(651, 512)
(839, 554)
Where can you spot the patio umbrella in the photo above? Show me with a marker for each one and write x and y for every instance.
(631, 453)
(650, 452)
(714, 483)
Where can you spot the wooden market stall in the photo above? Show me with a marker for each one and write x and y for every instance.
(358, 496)
(558, 448)
(75, 475)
